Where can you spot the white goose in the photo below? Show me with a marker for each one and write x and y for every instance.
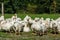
(27, 20)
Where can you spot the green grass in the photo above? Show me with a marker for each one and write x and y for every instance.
(29, 36)
(54, 16)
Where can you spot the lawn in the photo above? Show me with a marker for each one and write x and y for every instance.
(29, 36)
(54, 16)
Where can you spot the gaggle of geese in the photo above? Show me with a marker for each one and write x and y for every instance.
(40, 26)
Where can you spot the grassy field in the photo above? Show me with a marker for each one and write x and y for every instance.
(29, 36)
(54, 16)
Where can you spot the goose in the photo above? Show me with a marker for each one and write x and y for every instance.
(6, 26)
(38, 26)
(27, 26)
(54, 26)
(18, 27)
(27, 21)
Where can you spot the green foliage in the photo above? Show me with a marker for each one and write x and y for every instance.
(31, 6)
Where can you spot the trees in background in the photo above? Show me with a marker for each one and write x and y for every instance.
(31, 6)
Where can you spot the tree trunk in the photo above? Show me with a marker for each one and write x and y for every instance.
(2, 9)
